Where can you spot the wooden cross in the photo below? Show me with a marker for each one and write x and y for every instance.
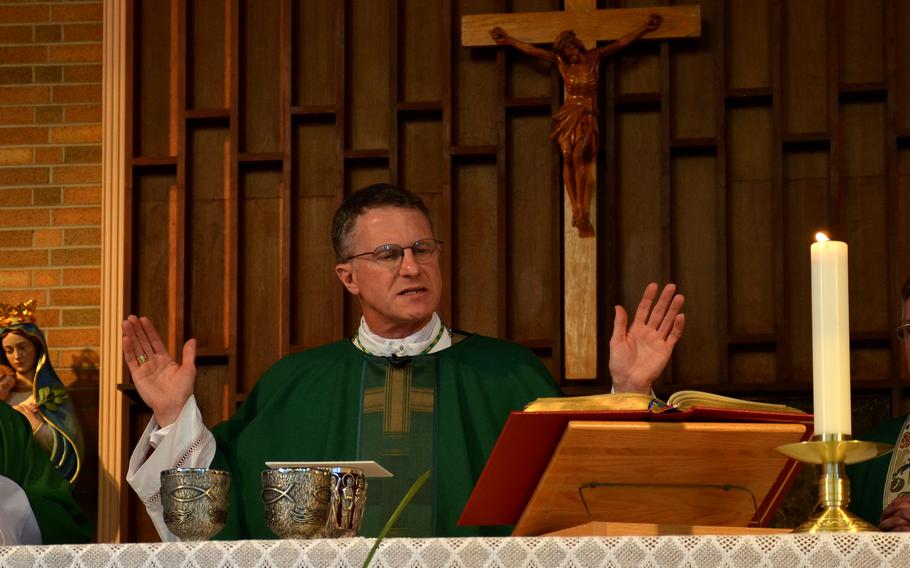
(579, 253)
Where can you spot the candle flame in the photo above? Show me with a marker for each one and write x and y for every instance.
(821, 237)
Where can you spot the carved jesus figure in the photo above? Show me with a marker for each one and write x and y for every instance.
(575, 123)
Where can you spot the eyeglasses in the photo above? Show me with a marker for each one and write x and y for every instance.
(903, 331)
(390, 255)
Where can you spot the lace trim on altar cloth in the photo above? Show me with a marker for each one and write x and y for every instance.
(803, 550)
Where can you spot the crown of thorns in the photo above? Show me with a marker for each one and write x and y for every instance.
(565, 38)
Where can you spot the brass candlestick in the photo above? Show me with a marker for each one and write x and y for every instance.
(833, 452)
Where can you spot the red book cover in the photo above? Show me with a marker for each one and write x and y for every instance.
(528, 440)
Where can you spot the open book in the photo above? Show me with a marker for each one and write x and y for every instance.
(680, 400)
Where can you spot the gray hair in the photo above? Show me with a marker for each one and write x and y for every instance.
(371, 197)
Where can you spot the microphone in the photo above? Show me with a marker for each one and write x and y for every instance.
(399, 361)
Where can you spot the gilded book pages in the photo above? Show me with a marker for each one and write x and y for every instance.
(681, 400)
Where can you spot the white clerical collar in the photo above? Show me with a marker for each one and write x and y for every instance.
(430, 338)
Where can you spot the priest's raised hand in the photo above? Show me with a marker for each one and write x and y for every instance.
(164, 385)
(639, 352)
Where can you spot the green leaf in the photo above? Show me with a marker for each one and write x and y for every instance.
(50, 406)
(415, 487)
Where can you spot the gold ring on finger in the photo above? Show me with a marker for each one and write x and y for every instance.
(142, 358)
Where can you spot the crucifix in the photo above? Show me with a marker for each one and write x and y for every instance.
(576, 31)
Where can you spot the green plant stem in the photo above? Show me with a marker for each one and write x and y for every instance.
(415, 487)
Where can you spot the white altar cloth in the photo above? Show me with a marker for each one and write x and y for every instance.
(810, 551)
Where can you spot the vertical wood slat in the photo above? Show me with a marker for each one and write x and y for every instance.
(177, 209)
(666, 186)
(394, 87)
(782, 307)
(610, 274)
(233, 235)
(447, 219)
(836, 213)
(285, 192)
(893, 198)
(340, 313)
(556, 295)
(128, 226)
(177, 38)
(720, 183)
(502, 220)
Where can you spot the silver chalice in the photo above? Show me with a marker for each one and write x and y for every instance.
(195, 501)
(296, 500)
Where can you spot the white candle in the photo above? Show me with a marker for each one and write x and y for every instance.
(830, 337)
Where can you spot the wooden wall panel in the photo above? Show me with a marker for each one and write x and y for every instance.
(751, 230)
(865, 188)
(527, 76)
(207, 215)
(806, 203)
(869, 300)
(475, 269)
(259, 84)
(902, 64)
(258, 274)
(368, 77)
(362, 175)
(695, 265)
(151, 254)
(207, 81)
(315, 170)
(749, 44)
(638, 69)
(422, 51)
(869, 363)
(213, 391)
(421, 166)
(314, 44)
(864, 123)
(151, 116)
(475, 88)
(638, 190)
(691, 75)
(903, 212)
(638, 66)
(315, 290)
(805, 67)
(531, 275)
(862, 54)
(751, 240)
(752, 364)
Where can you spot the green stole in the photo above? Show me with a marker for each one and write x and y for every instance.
(397, 429)
(870, 479)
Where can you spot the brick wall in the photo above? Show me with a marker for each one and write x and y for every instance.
(50, 194)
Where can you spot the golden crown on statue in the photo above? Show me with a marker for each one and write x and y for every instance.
(13, 314)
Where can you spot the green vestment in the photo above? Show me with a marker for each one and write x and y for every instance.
(21, 460)
(868, 478)
(442, 411)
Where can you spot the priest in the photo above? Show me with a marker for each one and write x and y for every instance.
(36, 502)
(881, 487)
(406, 390)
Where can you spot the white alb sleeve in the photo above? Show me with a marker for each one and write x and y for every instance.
(17, 521)
(185, 443)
